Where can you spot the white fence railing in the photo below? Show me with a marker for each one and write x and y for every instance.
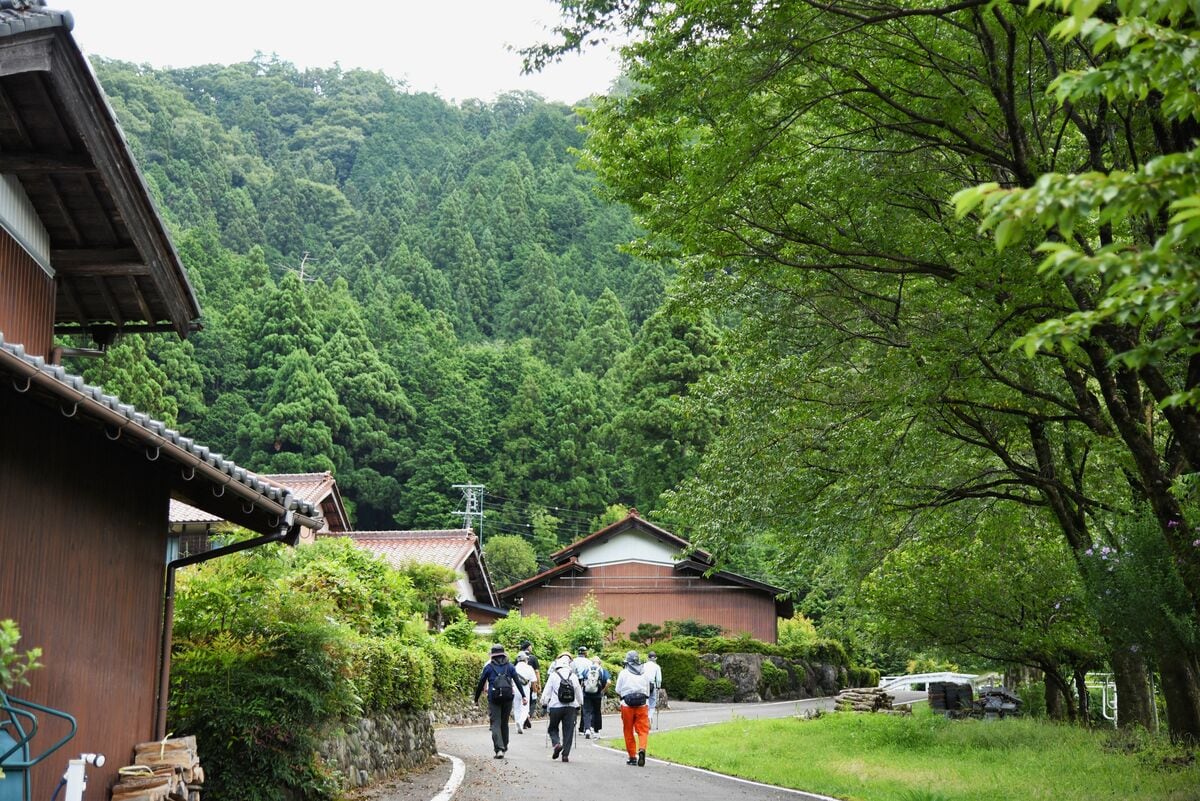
(906, 682)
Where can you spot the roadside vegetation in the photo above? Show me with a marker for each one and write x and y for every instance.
(925, 757)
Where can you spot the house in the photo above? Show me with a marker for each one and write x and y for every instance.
(194, 527)
(85, 480)
(457, 549)
(645, 574)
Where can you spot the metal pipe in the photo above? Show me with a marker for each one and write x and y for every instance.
(288, 534)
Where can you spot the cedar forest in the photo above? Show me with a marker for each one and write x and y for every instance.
(907, 329)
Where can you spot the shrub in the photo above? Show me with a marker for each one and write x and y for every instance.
(679, 668)
(798, 630)
(515, 628)
(774, 679)
(459, 634)
(691, 628)
(455, 671)
(862, 677)
(721, 688)
(583, 626)
(391, 673)
(698, 689)
(14, 664)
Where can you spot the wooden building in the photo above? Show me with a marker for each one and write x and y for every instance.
(645, 574)
(194, 528)
(457, 549)
(85, 480)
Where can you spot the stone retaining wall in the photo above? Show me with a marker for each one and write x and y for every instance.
(745, 673)
(379, 747)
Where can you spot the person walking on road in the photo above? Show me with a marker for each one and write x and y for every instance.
(654, 675)
(527, 649)
(580, 665)
(562, 695)
(527, 696)
(503, 683)
(594, 680)
(633, 688)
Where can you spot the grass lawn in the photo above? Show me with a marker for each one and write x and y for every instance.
(928, 758)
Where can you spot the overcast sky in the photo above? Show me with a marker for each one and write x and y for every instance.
(457, 48)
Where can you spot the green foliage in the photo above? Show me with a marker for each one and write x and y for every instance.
(459, 634)
(510, 559)
(797, 631)
(583, 626)
(435, 589)
(647, 633)
(691, 628)
(14, 664)
(774, 679)
(862, 676)
(274, 645)
(698, 689)
(516, 628)
(679, 667)
(455, 670)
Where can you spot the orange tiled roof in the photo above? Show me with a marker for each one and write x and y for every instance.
(447, 547)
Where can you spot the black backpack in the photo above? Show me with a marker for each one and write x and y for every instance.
(500, 688)
(566, 691)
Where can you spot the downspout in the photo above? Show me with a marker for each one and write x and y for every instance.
(288, 534)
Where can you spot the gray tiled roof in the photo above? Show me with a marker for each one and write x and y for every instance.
(72, 389)
(17, 16)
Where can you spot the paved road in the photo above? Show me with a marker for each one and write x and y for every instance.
(596, 772)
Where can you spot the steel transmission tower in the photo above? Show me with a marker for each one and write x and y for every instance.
(472, 507)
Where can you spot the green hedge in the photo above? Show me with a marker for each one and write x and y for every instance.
(863, 676)
(455, 671)
(391, 673)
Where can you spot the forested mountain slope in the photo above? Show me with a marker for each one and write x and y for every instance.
(409, 293)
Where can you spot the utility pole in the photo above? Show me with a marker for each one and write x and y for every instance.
(472, 506)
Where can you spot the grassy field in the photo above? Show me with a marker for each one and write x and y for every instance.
(928, 758)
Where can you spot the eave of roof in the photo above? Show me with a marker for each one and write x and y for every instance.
(92, 402)
(46, 51)
(571, 565)
(489, 608)
(736, 578)
(321, 489)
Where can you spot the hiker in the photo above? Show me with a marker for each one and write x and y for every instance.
(633, 688)
(503, 683)
(562, 695)
(523, 706)
(654, 674)
(594, 680)
(580, 665)
(527, 649)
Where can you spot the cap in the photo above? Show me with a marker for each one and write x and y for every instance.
(652, 655)
(583, 649)
(632, 658)
(522, 657)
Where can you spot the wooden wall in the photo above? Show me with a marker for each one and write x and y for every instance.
(82, 547)
(26, 299)
(648, 593)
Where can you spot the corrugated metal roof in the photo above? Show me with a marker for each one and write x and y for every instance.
(71, 389)
(447, 547)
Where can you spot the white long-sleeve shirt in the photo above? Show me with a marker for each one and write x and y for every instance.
(630, 682)
(554, 677)
(653, 672)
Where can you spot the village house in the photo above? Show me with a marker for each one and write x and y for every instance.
(193, 529)
(457, 549)
(645, 574)
(86, 480)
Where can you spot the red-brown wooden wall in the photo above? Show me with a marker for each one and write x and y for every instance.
(648, 593)
(26, 299)
(82, 548)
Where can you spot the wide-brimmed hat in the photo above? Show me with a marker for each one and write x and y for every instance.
(497, 649)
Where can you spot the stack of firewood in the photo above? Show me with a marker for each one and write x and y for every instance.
(164, 770)
(863, 699)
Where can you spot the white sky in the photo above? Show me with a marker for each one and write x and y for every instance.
(457, 48)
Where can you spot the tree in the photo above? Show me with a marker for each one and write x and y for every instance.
(510, 559)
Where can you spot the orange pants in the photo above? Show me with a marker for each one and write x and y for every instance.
(636, 719)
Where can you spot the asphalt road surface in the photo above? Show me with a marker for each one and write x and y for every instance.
(595, 773)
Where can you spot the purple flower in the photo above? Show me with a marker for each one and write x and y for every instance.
(1196, 543)
(1172, 524)
(1088, 552)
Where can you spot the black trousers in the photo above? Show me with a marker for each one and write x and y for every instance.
(498, 713)
(592, 708)
(564, 716)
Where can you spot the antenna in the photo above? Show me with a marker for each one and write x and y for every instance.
(472, 506)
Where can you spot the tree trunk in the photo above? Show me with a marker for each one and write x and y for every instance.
(1056, 707)
(1181, 689)
(1134, 704)
(1085, 697)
